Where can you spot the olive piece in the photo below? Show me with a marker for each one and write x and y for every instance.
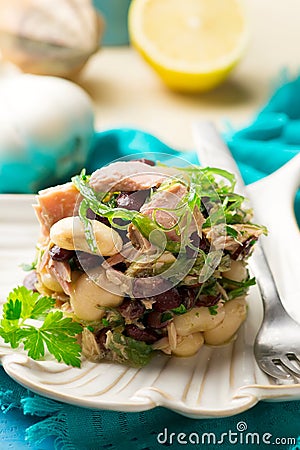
(100, 337)
(156, 320)
(61, 254)
(85, 261)
(132, 201)
(197, 243)
(191, 252)
(188, 296)
(93, 216)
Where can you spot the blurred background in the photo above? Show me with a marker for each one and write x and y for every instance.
(116, 87)
(129, 93)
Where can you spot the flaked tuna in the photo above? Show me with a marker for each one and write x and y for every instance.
(55, 203)
(61, 270)
(161, 208)
(126, 177)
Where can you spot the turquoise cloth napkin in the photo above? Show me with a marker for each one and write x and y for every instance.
(271, 140)
(115, 13)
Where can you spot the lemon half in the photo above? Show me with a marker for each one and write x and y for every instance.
(192, 44)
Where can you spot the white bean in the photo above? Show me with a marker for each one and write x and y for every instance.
(69, 233)
(50, 282)
(198, 319)
(237, 271)
(235, 314)
(188, 345)
(87, 297)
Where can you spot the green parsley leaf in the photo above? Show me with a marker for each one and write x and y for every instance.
(87, 224)
(237, 288)
(166, 316)
(213, 310)
(12, 309)
(231, 232)
(33, 342)
(28, 267)
(57, 333)
(10, 333)
(127, 350)
(25, 304)
(180, 309)
(105, 322)
(41, 307)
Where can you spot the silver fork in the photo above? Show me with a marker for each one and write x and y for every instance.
(277, 344)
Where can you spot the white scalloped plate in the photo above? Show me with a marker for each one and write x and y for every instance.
(213, 383)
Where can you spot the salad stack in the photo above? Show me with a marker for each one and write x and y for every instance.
(145, 258)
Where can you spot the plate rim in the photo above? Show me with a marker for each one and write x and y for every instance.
(159, 399)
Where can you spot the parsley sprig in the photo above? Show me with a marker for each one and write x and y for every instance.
(54, 332)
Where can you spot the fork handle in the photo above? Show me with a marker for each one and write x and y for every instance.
(272, 199)
(273, 202)
(271, 300)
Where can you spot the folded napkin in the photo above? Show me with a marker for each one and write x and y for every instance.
(74, 428)
(272, 139)
(262, 147)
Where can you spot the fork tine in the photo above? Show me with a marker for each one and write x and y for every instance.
(288, 364)
(268, 366)
(294, 357)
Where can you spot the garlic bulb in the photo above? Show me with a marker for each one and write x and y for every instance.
(46, 131)
(49, 37)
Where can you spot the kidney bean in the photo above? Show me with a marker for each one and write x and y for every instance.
(146, 335)
(30, 280)
(167, 300)
(131, 309)
(60, 254)
(163, 301)
(208, 300)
